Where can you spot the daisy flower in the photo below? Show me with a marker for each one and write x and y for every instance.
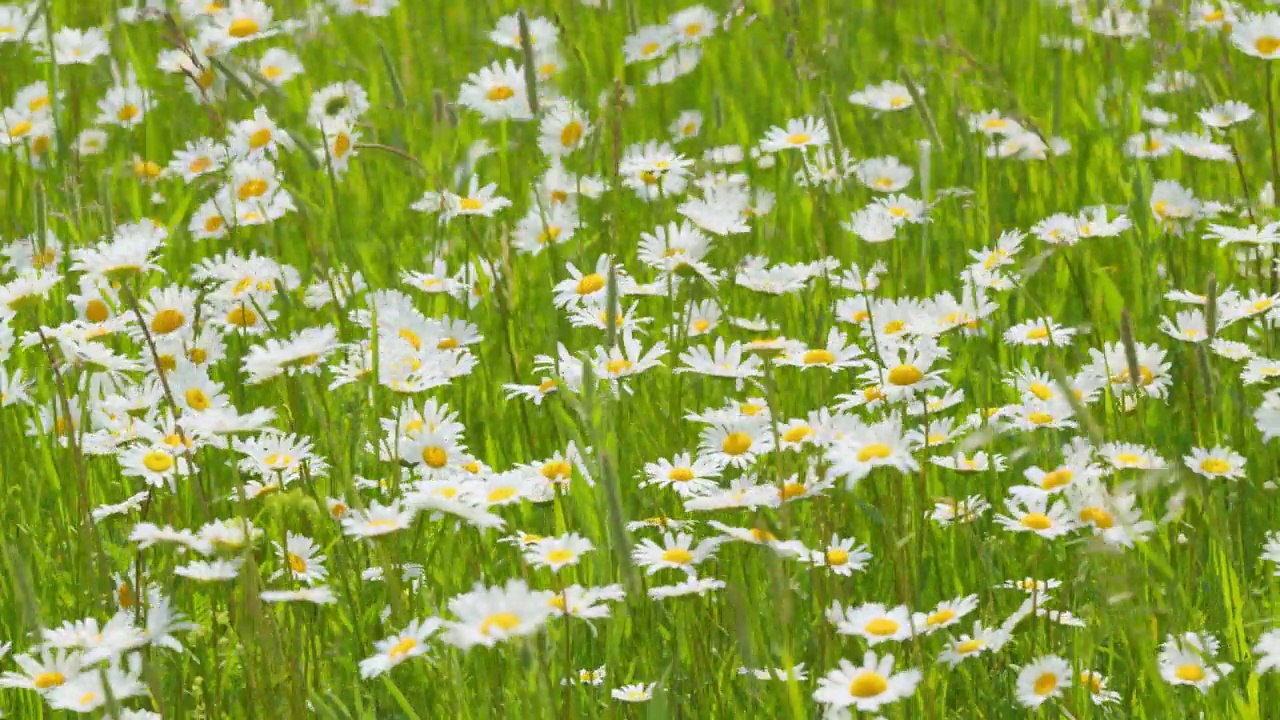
(866, 687)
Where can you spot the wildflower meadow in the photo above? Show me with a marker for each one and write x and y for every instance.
(407, 359)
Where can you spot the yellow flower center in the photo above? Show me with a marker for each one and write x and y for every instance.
(447, 344)
(341, 144)
(124, 594)
(1045, 684)
(147, 169)
(95, 311)
(1267, 44)
(969, 647)
(196, 399)
(701, 325)
(693, 29)
(1036, 521)
(750, 409)
(242, 317)
(592, 282)
(881, 627)
(1042, 391)
(297, 564)
(1215, 466)
(556, 470)
(874, 451)
(1214, 16)
(157, 461)
(127, 112)
(837, 557)
(560, 556)
(88, 698)
(736, 443)
(260, 138)
(243, 27)
(1040, 418)
(278, 461)
(903, 375)
(677, 556)
(940, 617)
(213, 223)
(1038, 333)
(818, 357)
(680, 474)
(1056, 479)
(499, 494)
(571, 134)
(868, 684)
(649, 49)
(872, 393)
(402, 648)
(499, 93)
(252, 188)
(470, 204)
(20, 128)
(797, 139)
(1101, 519)
(46, 680)
(1190, 673)
(435, 456)
(792, 490)
(617, 367)
(798, 433)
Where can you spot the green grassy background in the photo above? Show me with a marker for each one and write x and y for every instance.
(248, 660)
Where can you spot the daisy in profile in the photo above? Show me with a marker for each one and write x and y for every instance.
(648, 43)
(799, 134)
(654, 170)
(870, 446)
(635, 693)
(1258, 35)
(542, 32)
(902, 371)
(302, 559)
(489, 615)
(873, 622)
(688, 476)
(676, 552)
(866, 687)
(1268, 648)
(557, 552)
(946, 614)
(1034, 512)
(1188, 660)
(242, 21)
(1042, 679)
(318, 595)
(693, 24)
(737, 443)
(841, 556)
(982, 639)
(377, 520)
(408, 643)
(837, 353)
(1040, 331)
(477, 200)
(1096, 684)
(1218, 463)
(888, 96)
(886, 174)
(497, 92)
(564, 129)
